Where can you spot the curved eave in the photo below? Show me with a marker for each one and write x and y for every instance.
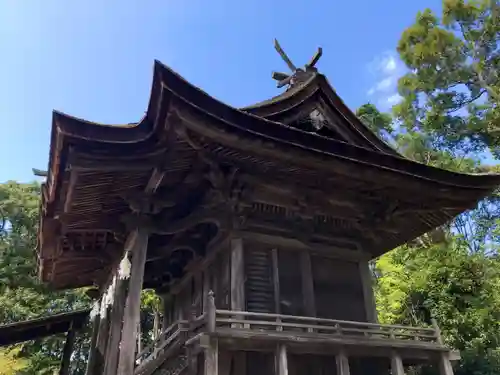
(284, 106)
(214, 119)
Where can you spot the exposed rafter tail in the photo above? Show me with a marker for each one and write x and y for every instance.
(39, 172)
(278, 76)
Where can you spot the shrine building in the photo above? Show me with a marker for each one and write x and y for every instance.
(255, 226)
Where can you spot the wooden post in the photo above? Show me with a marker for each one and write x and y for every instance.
(115, 329)
(276, 281)
(67, 351)
(211, 312)
(396, 364)
(437, 331)
(369, 299)
(445, 367)
(139, 246)
(237, 275)
(342, 363)
(212, 358)
(307, 283)
(89, 370)
(102, 342)
(206, 288)
(281, 360)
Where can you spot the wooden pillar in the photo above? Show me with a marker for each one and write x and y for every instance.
(276, 282)
(138, 245)
(237, 275)
(115, 329)
(396, 364)
(368, 296)
(212, 358)
(67, 351)
(307, 283)
(445, 367)
(281, 360)
(206, 287)
(102, 341)
(89, 370)
(342, 363)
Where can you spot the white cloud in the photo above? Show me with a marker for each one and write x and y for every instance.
(394, 99)
(385, 70)
(389, 64)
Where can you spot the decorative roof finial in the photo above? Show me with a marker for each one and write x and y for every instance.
(298, 75)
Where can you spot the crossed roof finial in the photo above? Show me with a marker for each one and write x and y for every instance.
(298, 74)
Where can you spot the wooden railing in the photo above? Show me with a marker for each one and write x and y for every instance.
(317, 326)
(213, 321)
(172, 335)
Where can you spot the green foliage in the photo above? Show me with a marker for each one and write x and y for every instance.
(378, 122)
(452, 89)
(21, 294)
(10, 361)
(448, 115)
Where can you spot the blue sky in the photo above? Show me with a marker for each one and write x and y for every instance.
(94, 59)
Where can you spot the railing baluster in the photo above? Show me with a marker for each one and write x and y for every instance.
(211, 312)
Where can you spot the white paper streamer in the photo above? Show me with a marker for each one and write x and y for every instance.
(124, 269)
(103, 305)
(95, 310)
(110, 293)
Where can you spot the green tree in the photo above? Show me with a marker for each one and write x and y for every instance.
(452, 89)
(22, 296)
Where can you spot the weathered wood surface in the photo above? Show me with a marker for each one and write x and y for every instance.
(115, 331)
(91, 360)
(282, 359)
(307, 283)
(368, 292)
(237, 275)
(397, 364)
(126, 360)
(343, 363)
(67, 351)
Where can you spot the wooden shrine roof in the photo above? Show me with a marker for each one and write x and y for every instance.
(306, 138)
(36, 328)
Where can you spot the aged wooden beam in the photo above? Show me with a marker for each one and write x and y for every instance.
(282, 360)
(137, 247)
(89, 370)
(368, 293)
(68, 200)
(212, 358)
(102, 342)
(281, 241)
(276, 281)
(307, 283)
(342, 363)
(67, 351)
(115, 331)
(445, 367)
(396, 364)
(383, 169)
(237, 275)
